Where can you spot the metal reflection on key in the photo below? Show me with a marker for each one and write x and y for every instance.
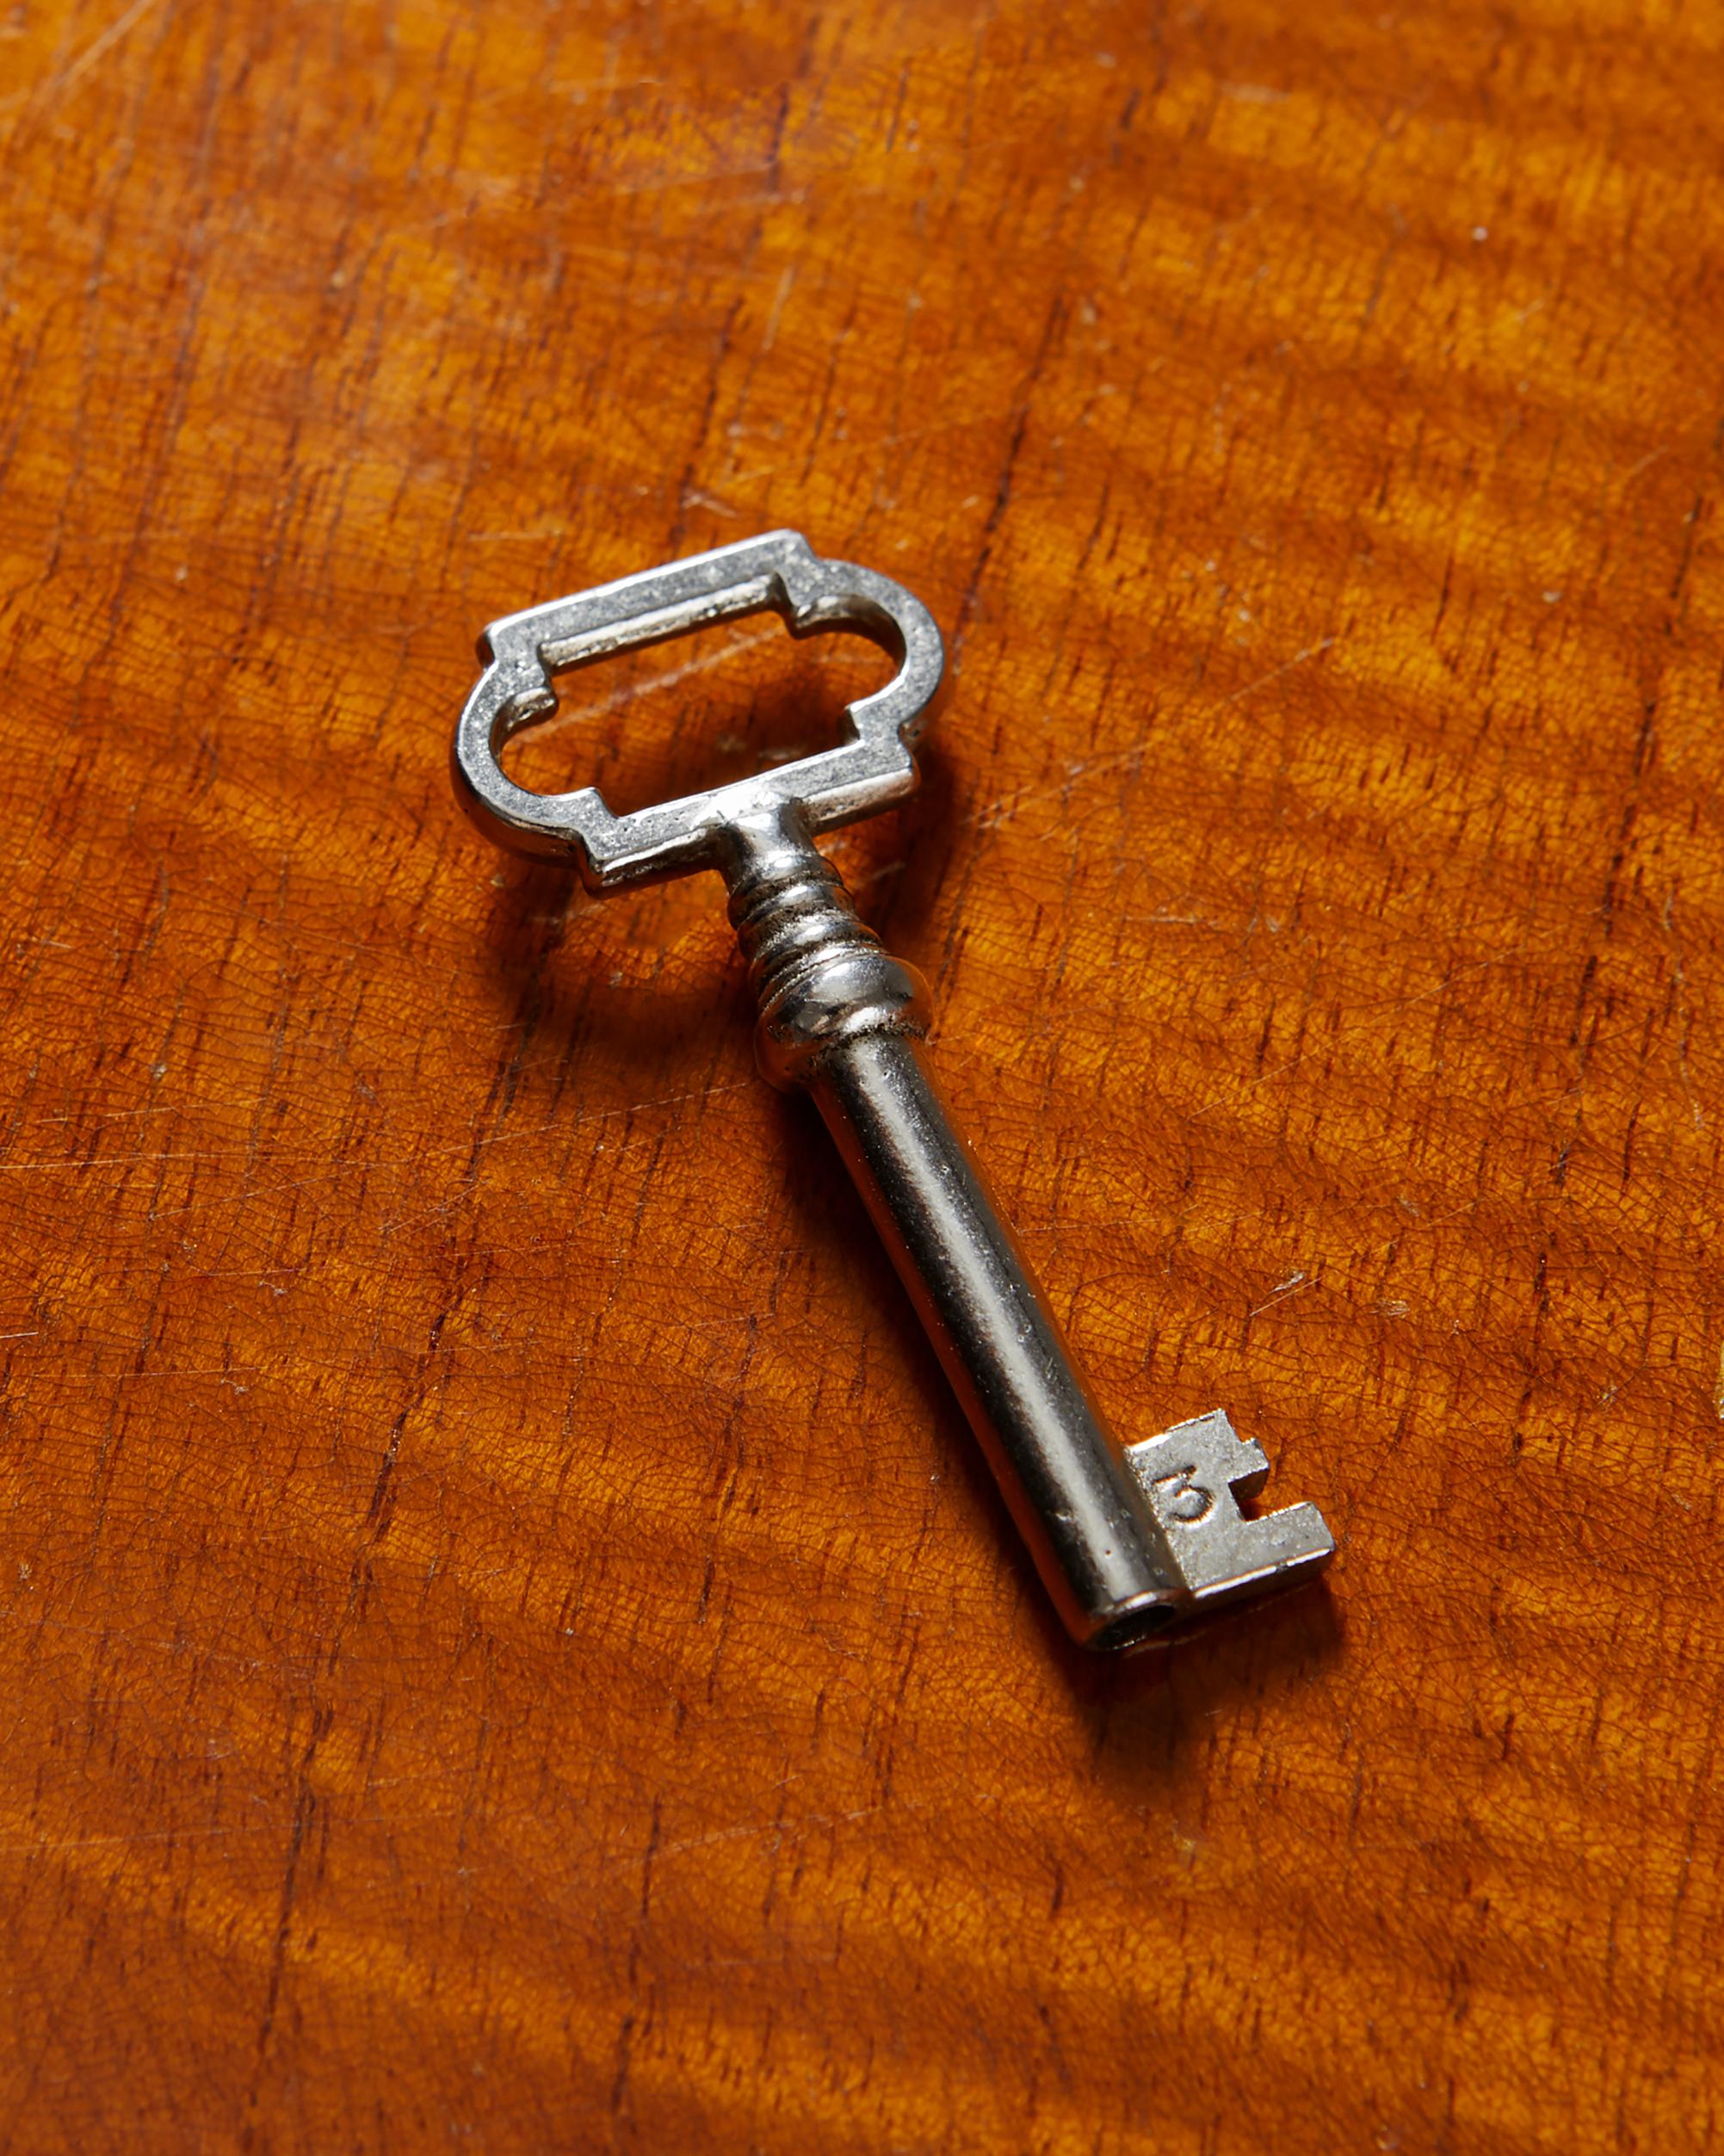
(1128, 1537)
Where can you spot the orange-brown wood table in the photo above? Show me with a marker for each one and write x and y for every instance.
(507, 1644)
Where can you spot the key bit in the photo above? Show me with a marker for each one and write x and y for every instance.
(1190, 1474)
(1128, 1539)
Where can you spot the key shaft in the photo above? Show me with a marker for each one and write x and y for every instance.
(844, 1019)
(1062, 1472)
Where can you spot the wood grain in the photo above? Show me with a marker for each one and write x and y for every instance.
(506, 1643)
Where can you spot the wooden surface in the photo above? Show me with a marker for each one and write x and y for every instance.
(506, 1643)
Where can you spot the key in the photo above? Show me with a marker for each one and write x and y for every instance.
(1128, 1538)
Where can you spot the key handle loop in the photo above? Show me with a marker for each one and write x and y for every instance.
(779, 573)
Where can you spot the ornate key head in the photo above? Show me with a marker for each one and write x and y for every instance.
(778, 573)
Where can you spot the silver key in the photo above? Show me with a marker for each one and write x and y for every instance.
(1128, 1538)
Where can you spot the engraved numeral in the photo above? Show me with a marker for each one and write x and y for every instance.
(1183, 1498)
